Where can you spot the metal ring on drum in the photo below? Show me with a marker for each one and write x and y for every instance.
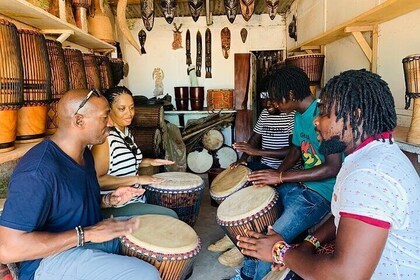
(225, 156)
(180, 191)
(213, 140)
(199, 160)
(165, 242)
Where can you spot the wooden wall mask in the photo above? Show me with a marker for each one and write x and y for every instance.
(168, 7)
(247, 8)
(272, 6)
(195, 8)
(244, 34)
(142, 38)
(225, 36)
(231, 9)
(292, 29)
(147, 13)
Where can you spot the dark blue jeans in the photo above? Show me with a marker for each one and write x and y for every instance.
(301, 208)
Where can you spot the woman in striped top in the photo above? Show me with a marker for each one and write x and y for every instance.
(118, 159)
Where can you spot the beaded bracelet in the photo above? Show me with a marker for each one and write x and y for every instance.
(313, 240)
(279, 250)
(106, 199)
(80, 236)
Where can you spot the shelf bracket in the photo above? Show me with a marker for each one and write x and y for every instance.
(63, 34)
(370, 51)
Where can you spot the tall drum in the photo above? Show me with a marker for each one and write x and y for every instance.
(117, 70)
(11, 84)
(411, 65)
(32, 117)
(104, 72)
(149, 116)
(165, 242)
(149, 140)
(93, 77)
(76, 68)
(248, 209)
(59, 81)
(181, 192)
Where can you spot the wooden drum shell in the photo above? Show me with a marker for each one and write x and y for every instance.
(104, 71)
(93, 77)
(149, 141)
(76, 68)
(311, 64)
(149, 116)
(411, 66)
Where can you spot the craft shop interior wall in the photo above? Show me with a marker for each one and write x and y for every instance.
(263, 34)
(398, 38)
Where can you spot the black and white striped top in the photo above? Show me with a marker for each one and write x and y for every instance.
(122, 161)
(275, 131)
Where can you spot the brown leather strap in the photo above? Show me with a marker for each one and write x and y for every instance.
(208, 53)
(199, 54)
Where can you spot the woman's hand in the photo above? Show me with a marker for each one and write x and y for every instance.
(147, 180)
(159, 162)
(259, 245)
(124, 194)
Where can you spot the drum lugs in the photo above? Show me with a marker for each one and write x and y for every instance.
(165, 242)
(76, 68)
(149, 116)
(11, 84)
(149, 141)
(32, 117)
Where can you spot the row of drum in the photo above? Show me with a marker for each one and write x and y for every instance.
(170, 244)
(34, 75)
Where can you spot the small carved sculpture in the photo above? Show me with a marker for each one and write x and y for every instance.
(199, 54)
(225, 38)
(177, 43)
(188, 49)
(244, 34)
(147, 13)
(168, 7)
(195, 8)
(142, 39)
(231, 9)
(158, 77)
(292, 29)
(208, 53)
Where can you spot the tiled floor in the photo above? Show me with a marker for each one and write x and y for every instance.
(206, 265)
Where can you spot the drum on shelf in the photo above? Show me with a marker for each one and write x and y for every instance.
(213, 140)
(76, 68)
(117, 70)
(248, 209)
(80, 13)
(411, 66)
(199, 160)
(104, 72)
(219, 99)
(229, 182)
(225, 156)
(165, 242)
(181, 192)
(149, 116)
(11, 84)
(311, 64)
(59, 81)
(181, 98)
(32, 117)
(197, 98)
(93, 77)
(149, 140)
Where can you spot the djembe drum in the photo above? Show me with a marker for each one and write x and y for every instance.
(76, 68)
(59, 81)
(104, 72)
(149, 140)
(225, 156)
(11, 84)
(229, 182)
(199, 160)
(149, 116)
(181, 192)
(32, 117)
(165, 242)
(248, 209)
(80, 8)
(311, 64)
(213, 140)
(411, 65)
(93, 77)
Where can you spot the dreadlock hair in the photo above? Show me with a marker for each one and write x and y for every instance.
(288, 79)
(364, 90)
(112, 93)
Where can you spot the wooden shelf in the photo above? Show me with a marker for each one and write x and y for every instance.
(384, 12)
(29, 14)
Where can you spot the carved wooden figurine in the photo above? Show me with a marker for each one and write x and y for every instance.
(177, 43)
(225, 36)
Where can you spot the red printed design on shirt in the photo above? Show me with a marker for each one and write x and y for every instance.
(309, 155)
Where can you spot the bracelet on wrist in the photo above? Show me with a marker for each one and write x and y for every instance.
(281, 177)
(279, 250)
(80, 233)
(106, 199)
(313, 240)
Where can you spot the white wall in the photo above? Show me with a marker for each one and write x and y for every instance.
(263, 34)
(398, 38)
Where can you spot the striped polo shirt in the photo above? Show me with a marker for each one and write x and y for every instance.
(275, 131)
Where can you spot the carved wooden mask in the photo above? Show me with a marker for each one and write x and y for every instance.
(244, 34)
(231, 9)
(168, 7)
(225, 36)
(195, 8)
(247, 8)
(142, 39)
(147, 13)
(272, 6)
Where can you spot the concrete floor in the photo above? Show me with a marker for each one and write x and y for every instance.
(206, 265)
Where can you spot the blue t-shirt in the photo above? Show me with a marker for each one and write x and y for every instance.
(305, 137)
(50, 192)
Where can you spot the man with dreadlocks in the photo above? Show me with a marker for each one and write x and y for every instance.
(304, 195)
(375, 206)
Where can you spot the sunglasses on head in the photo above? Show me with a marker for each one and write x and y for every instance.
(85, 100)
